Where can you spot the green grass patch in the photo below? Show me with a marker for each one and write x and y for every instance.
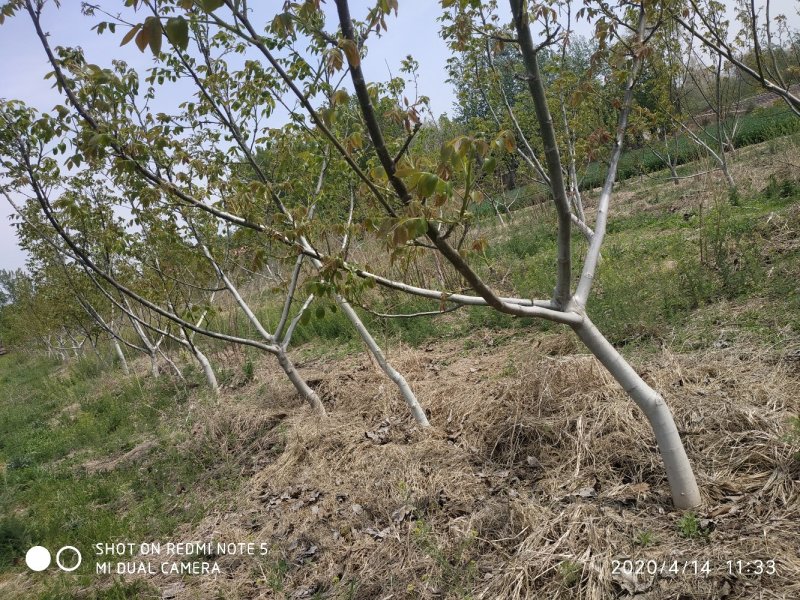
(55, 426)
(656, 269)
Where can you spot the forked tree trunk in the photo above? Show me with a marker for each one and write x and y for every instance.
(205, 364)
(682, 483)
(369, 341)
(673, 172)
(279, 351)
(172, 364)
(153, 363)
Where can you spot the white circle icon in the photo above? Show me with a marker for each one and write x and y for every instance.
(37, 558)
(61, 565)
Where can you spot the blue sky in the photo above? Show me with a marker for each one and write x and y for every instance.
(414, 31)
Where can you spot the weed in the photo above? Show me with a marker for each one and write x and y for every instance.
(689, 526)
(14, 540)
(794, 434)
(644, 539)
(773, 188)
(788, 188)
(87, 368)
(773, 146)
(457, 571)
(225, 376)
(276, 574)
(248, 370)
(509, 370)
(570, 573)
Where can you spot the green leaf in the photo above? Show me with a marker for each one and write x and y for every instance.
(211, 5)
(405, 171)
(426, 184)
(378, 173)
(489, 165)
(506, 141)
(351, 52)
(335, 60)
(178, 32)
(417, 227)
(328, 115)
(282, 25)
(153, 27)
(340, 97)
(142, 39)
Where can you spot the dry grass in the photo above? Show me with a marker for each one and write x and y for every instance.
(537, 474)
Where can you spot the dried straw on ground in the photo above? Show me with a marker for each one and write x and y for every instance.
(534, 479)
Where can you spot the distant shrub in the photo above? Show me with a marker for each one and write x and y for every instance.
(780, 189)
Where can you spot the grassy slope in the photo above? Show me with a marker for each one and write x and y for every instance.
(760, 125)
(60, 431)
(495, 497)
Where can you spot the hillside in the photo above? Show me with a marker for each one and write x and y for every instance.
(539, 477)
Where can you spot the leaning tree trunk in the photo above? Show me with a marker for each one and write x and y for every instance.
(208, 370)
(121, 356)
(202, 359)
(682, 483)
(391, 372)
(673, 173)
(299, 383)
(279, 351)
(152, 351)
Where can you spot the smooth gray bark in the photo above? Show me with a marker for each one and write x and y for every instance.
(386, 367)
(283, 358)
(369, 341)
(519, 10)
(300, 384)
(121, 355)
(682, 483)
(211, 378)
